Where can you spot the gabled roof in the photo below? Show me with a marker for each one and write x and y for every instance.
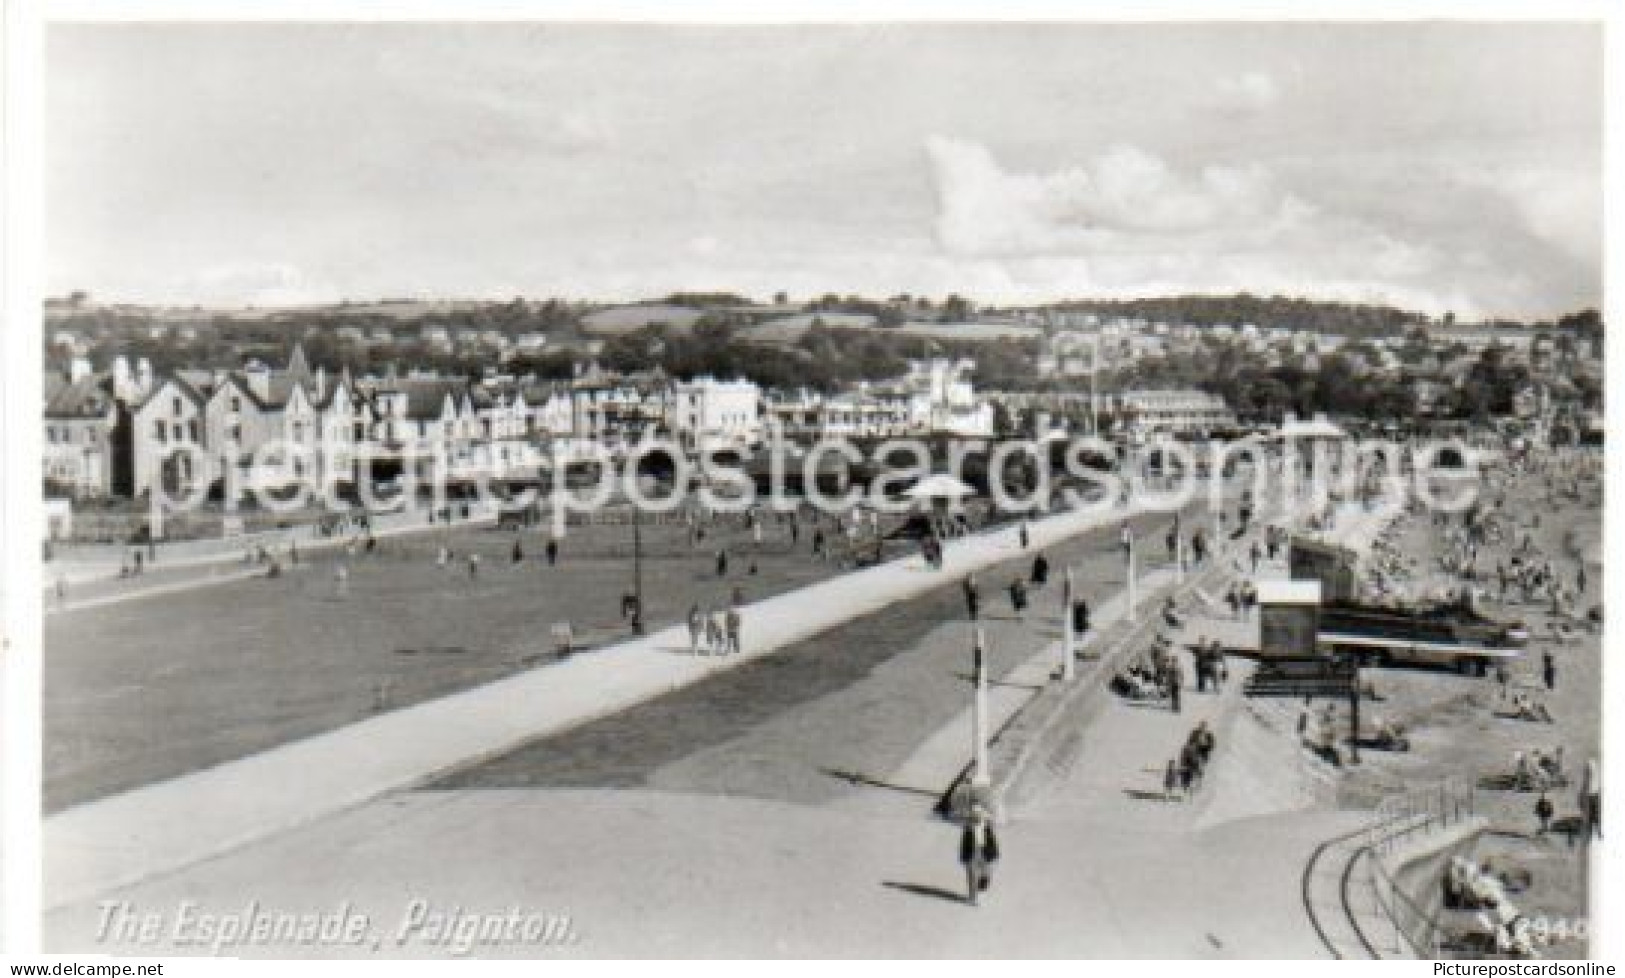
(202, 381)
(425, 399)
(88, 397)
(298, 368)
(342, 382)
(178, 383)
(279, 384)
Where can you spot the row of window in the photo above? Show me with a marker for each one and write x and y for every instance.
(164, 431)
(63, 435)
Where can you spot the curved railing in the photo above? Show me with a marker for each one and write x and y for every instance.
(1401, 818)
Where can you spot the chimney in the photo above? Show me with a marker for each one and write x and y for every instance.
(78, 369)
(143, 376)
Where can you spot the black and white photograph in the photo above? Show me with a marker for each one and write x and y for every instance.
(977, 488)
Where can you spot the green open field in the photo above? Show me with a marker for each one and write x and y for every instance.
(830, 715)
(146, 689)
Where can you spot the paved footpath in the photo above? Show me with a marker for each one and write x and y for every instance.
(939, 760)
(157, 828)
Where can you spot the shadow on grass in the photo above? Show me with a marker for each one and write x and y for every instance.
(920, 889)
(864, 780)
(967, 677)
(1141, 794)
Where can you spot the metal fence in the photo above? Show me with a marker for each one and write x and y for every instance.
(1402, 818)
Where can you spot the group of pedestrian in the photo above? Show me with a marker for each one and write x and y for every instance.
(1242, 597)
(1182, 776)
(1153, 675)
(135, 569)
(714, 631)
(1211, 670)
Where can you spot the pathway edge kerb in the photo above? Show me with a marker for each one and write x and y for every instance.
(126, 838)
(1013, 784)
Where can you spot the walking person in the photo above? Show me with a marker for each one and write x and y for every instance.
(1170, 782)
(341, 581)
(1176, 679)
(1018, 596)
(1040, 570)
(972, 598)
(1543, 813)
(552, 551)
(722, 563)
(978, 850)
(473, 566)
(1591, 800)
(1025, 538)
(696, 628)
(518, 553)
(1548, 670)
(716, 632)
(1080, 618)
(732, 623)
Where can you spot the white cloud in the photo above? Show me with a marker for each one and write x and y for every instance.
(1561, 206)
(985, 210)
(1125, 222)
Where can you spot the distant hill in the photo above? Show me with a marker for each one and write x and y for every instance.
(1269, 312)
(789, 329)
(970, 332)
(630, 319)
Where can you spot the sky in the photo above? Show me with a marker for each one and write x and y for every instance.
(1438, 167)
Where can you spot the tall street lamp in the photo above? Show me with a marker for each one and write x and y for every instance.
(637, 556)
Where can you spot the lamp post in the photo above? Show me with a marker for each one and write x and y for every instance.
(980, 780)
(1353, 667)
(1068, 634)
(637, 555)
(637, 571)
(1133, 595)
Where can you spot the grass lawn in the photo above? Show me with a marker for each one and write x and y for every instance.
(812, 721)
(143, 690)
